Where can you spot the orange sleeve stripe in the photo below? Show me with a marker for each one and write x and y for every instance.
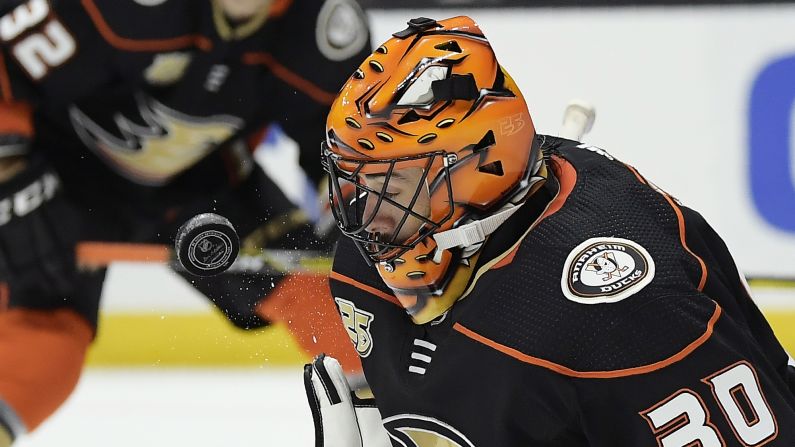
(289, 77)
(637, 174)
(365, 287)
(123, 43)
(279, 7)
(560, 369)
(101, 254)
(253, 140)
(567, 179)
(507, 260)
(16, 118)
(682, 238)
(5, 81)
(682, 229)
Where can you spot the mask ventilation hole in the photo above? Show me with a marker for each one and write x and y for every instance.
(409, 117)
(447, 122)
(375, 65)
(382, 49)
(485, 142)
(358, 74)
(352, 123)
(384, 137)
(451, 46)
(427, 138)
(493, 168)
(367, 144)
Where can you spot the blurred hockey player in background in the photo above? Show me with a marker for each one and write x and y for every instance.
(120, 119)
(507, 288)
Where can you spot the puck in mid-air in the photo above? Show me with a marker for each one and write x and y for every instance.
(207, 244)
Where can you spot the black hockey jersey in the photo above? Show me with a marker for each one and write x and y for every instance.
(603, 313)
(135, 101)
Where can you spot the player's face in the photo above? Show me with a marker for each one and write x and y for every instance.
(242, 9)
(401, 188)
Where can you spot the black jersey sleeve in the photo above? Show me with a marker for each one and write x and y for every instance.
(727, 286)
(320, 45)
(719, 390)
(712, 371)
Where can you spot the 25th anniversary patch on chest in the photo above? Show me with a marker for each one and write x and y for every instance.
(606, 270)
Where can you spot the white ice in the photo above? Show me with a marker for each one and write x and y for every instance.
(168, 407)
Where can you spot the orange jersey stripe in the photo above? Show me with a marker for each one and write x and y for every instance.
(100, 254)
(567, 178)
(637, 174)
(289, 77)
(124, 43)
(682, 230)
(682, 238)
(16, 118)
(279, 7)
(5, 82)
(560, 369)
(371, 290)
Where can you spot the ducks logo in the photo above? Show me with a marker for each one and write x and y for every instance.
(412, 430)
(606, 270)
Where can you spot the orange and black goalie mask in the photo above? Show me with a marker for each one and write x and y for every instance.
(428, 135)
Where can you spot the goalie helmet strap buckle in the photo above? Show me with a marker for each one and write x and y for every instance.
(473, 232)
(416, 26)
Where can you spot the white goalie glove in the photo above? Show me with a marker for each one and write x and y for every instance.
(341, 418)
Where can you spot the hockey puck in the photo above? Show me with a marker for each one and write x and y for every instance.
(207, 244)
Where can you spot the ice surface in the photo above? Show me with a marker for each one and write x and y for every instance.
(167, 407)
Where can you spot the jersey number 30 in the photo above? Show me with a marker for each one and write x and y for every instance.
(683, 419)
(39, 40)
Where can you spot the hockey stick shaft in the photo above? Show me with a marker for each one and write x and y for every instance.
(578, 119)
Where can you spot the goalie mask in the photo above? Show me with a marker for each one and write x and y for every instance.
(429, 147)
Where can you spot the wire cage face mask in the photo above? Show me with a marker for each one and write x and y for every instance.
(388, 206)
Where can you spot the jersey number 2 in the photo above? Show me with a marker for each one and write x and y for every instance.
(48, 46)
(683, 419)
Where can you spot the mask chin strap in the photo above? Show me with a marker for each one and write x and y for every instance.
(471, 233)
(477, 231)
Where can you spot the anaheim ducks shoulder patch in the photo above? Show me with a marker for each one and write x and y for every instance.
(606, 270)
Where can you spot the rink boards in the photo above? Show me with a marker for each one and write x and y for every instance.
(160, 321)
